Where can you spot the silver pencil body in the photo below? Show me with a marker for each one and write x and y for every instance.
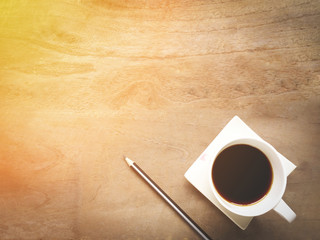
(168, 200)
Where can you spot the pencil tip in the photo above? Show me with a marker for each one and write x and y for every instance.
(129, 161)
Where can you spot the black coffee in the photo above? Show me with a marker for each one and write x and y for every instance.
(242, 174)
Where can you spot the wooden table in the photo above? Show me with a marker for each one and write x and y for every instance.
(83, 83)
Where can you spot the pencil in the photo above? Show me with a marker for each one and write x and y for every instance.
(167, 199)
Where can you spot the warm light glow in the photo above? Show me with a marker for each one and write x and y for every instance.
(84, 82)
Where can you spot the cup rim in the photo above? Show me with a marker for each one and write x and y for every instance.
(269, 201)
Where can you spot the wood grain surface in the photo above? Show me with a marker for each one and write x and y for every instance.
(83, 83)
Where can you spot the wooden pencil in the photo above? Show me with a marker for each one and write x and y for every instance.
(167, 199)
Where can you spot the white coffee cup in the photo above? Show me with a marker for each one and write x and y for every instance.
(273, 198)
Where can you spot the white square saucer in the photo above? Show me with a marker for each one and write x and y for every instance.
(197, 173)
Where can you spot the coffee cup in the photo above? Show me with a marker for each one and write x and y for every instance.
(248, 178)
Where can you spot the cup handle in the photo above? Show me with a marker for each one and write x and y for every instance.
(285, 211)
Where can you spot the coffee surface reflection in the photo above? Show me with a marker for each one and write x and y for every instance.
(242, 174)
